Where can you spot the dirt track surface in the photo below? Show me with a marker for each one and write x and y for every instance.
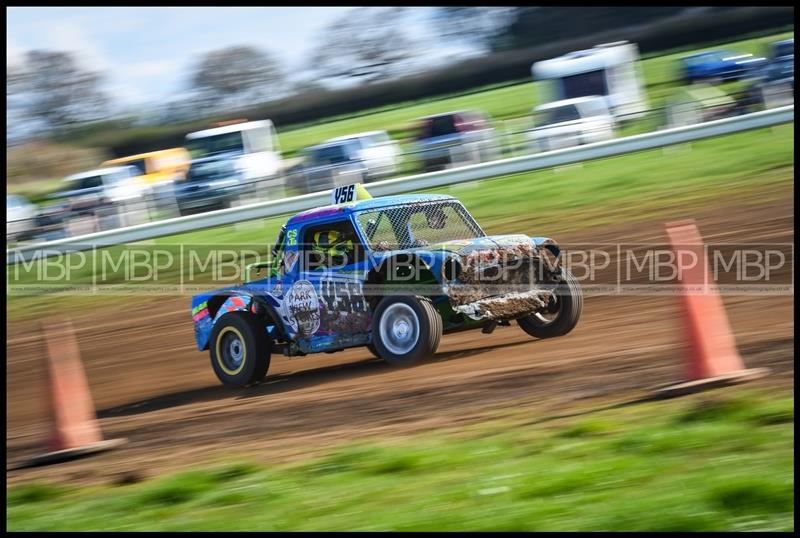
(152, 386)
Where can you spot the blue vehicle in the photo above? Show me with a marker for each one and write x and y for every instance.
(392, 274)
(720, 65)
(783, 49)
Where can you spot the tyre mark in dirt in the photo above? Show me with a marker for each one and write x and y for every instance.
(156, 389)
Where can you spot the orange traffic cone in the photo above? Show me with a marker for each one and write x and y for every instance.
(74, 431)
(711, 356)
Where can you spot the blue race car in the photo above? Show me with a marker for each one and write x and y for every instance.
(392, 274)
(720, 64)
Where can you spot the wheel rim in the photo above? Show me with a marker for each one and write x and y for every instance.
(231, 352)
(399, 328)
(550, 314)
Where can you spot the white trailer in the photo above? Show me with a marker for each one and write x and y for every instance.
(608, 70)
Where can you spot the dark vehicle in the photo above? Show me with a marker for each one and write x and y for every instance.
(333, 164)
(720, 65)
(211, 183)
(52, 220)
(456, 139)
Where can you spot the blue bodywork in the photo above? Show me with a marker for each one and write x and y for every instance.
(720, 64)
(336, 314)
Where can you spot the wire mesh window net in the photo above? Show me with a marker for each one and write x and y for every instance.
(417, 225)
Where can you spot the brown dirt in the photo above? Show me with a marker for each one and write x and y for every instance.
(152, 386)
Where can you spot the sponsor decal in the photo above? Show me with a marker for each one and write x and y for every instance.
(291, 237)
(278, 289)
(199, 307)
(290, 259)
(344, 309)
(512, 240)
(302, 308)
(343, 296)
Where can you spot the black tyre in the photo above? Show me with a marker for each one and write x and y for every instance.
(240, 349)
(407, 328)
(564, 312)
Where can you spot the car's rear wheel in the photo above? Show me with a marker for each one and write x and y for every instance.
(562, 314)
(407, 328)
(240, 349)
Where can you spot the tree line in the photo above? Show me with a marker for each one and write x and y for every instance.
(365, 46)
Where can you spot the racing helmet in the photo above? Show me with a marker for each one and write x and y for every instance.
(332, 242)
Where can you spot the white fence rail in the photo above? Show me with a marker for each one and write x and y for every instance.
(475, 172)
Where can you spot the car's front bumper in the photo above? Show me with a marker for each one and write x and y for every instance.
(507, 306)
(504, 283)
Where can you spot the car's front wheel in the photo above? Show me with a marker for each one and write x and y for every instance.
(406, 328)
(240, 349)
(562, 313)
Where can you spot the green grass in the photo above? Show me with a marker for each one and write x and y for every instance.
(713, 462)
(675, 181)
(508, 102)
(35, 191)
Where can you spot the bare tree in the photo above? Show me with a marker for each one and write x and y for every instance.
(15, 80)
(51, 87)
(365, 43)
(484, 27)
(308, 85)
(237, 76)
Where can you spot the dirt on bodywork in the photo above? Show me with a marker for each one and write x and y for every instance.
(503, 282)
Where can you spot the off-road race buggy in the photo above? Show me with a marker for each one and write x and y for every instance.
(404, 271)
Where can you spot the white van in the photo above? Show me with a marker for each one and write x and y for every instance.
(608, 70)
(571, 122)
(379, 153)
(113, 184)
(253, 145)
(108, 197)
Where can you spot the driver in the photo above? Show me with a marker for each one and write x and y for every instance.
(436, 218)
(335, 246)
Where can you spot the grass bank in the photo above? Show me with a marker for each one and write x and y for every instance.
(721, 461)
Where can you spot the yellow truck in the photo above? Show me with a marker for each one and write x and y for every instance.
(156, 167)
